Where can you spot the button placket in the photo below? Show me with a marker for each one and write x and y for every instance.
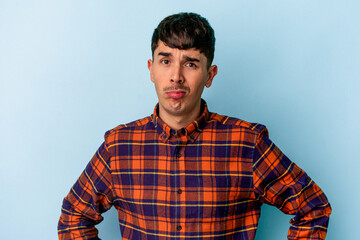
(179, 157)
(178, 183)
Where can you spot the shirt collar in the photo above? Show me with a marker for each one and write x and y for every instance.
(190, 132)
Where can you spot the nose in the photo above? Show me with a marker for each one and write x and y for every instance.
(176, 75)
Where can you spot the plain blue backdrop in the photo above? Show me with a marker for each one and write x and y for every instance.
(70, 70)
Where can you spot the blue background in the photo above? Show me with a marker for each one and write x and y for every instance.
(70, 70)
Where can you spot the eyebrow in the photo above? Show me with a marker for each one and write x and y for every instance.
(190, 59)
(165, 54)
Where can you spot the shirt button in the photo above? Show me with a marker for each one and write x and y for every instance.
(178, 155)
(179, 228)
(179, 191)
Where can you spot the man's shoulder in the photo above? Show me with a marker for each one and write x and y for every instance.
(233, 122)
(133, 126)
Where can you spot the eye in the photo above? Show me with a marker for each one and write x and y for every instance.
(191, 64)
(165, 61)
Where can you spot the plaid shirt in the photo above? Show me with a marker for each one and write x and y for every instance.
(205, 181)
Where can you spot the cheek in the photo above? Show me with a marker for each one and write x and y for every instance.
(158, 88)
(198, 83)
(159, 76)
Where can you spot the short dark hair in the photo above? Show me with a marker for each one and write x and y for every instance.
(184, 31)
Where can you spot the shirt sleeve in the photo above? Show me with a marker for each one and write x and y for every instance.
(90, 196)
(281, 183)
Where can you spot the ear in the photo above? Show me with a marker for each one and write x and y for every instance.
(149, 63)
(211, 74)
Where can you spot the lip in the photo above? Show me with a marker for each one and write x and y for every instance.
(176, 94)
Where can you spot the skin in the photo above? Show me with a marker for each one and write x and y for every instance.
(179, 77)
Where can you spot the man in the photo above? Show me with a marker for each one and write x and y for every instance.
(187, 173)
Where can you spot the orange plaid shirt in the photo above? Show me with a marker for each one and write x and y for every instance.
(205, 181)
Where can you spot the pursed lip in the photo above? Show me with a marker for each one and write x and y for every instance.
(176, 94)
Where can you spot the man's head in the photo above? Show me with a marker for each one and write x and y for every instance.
(183, 50)
(185, 31)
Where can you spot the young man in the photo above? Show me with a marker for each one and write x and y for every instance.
(186, 173)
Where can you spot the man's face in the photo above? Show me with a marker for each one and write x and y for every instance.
(180, 77)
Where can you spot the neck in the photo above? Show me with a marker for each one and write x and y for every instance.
(177, 122)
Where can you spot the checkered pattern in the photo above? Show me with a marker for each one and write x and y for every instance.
(206, 181)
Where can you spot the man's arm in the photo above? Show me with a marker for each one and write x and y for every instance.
(279, 182)
(88, 198)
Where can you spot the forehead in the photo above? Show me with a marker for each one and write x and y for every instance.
(191, 52)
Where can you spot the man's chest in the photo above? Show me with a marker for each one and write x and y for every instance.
(182, 179)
